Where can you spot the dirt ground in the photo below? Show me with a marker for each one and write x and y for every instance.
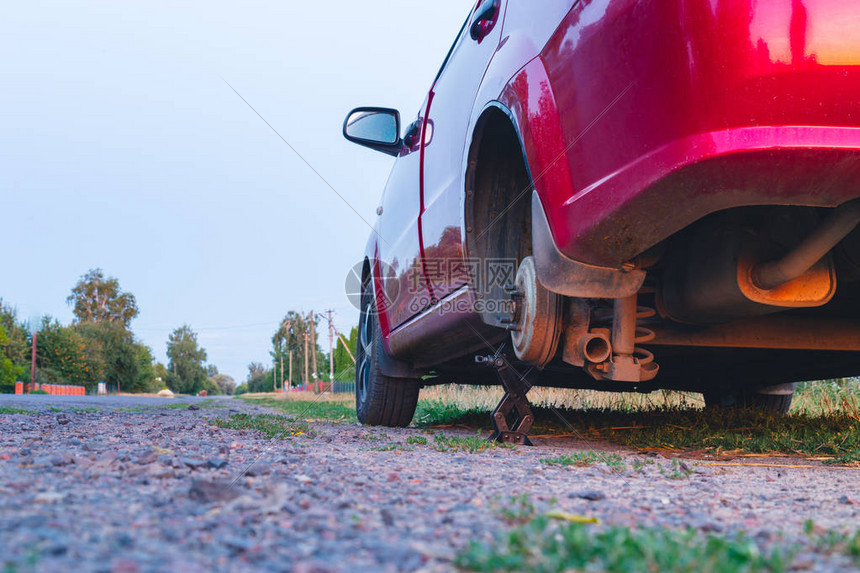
(124, 484)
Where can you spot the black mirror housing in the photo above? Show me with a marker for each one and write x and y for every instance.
(375, 127)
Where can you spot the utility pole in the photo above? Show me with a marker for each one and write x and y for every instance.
(33, 362)
(290, 378)
(330, 352)
(287, 339)
(306, 359)
(314, 352)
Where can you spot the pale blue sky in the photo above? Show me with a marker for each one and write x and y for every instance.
(122, 148)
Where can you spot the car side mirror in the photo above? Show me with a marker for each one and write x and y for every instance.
(375, 127)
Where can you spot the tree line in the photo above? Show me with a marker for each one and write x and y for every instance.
(296, 338)
(99, 346)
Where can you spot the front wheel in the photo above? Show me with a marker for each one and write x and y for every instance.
(775, 399)
(380, 400)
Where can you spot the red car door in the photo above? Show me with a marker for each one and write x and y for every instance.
(443, 147)
(404, 288)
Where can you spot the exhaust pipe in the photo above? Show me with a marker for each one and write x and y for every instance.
(595, 347)
(836, 227)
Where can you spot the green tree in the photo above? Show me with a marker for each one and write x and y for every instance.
(62, 356)
(145, 381)
(160, 371)
(17, 345)
(9, 372)
(344, 367)
(98, 299)
(290, 336)
(122, 360)
(222, 383)
(186, 362)
(260, 379)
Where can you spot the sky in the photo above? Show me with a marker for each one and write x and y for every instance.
(122, 147)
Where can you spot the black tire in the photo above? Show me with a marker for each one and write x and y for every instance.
(379, 400)
(772, 403)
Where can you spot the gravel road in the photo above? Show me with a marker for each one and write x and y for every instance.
(125, 484)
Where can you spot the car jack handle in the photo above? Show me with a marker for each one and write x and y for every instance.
(514, 399)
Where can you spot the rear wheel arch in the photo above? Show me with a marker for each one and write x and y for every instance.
(497, 217)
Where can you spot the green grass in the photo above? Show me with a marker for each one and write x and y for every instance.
(848, 459)
(371, 436)
(517, 510)
(389, 447)
(331, 411)
(419, 440)
(585, 459)
(678, 470)
(439, 413)
(640, 465)
(544, 547)
(836, 434)
(471, 444)
(203, 405)
(827, 397)
(553, 542)
(270, 425)
(6, 410)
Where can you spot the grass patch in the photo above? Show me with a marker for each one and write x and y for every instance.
(849, 459)
(342, 410)
(372, 436)
(555, 542)
(471, 444)
(834, 542)
(678, 470)
(6, 410)
(418, 440)
(640, 465)
(203, 405)
(543, 547)
(585, 459)
(389, 447)
(518, 510)
(836, 434)
(438, 413)
(828, 397)
(270, 425)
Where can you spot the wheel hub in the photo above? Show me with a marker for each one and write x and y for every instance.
(537, 317)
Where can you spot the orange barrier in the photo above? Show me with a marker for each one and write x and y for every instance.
(52, 389)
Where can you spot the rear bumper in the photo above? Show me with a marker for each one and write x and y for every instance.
(636, 207)
(668, 110)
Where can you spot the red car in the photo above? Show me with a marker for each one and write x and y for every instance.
(623, 195)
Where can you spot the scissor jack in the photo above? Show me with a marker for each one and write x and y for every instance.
(516, 387)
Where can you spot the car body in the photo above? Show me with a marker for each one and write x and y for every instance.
(664, 153)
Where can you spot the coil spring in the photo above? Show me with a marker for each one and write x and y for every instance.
(643, 335)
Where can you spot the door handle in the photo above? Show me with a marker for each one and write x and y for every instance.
(484, 19)
(413, 132)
